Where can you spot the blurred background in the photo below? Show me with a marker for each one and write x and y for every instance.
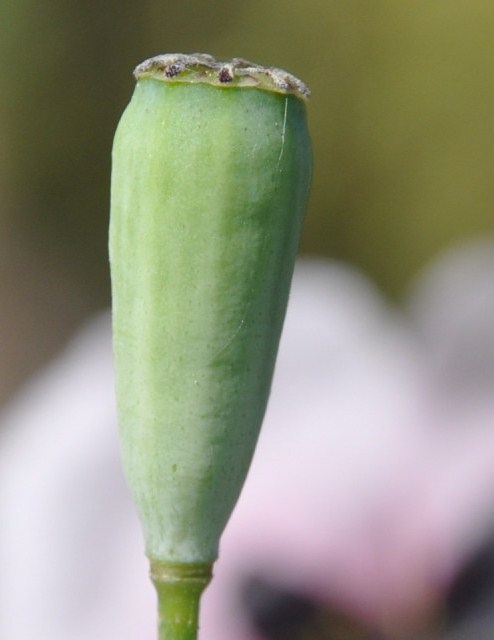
(401, 115)
(402, 119)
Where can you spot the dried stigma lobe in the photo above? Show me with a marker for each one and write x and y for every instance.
(203, 68)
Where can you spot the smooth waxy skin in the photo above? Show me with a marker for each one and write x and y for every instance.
(209, 189)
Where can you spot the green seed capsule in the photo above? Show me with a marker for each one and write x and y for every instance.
(211, 171)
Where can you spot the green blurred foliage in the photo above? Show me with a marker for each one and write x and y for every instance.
(401, 116)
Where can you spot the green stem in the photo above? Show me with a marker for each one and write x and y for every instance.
(179, 588)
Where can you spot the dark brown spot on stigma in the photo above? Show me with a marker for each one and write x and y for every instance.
(172, 70)
(225, 75)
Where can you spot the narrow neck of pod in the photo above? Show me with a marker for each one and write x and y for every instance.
(179, 588)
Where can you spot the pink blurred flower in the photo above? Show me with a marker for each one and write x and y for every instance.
(370, 487)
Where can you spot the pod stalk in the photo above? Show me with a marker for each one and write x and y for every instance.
(179, 588)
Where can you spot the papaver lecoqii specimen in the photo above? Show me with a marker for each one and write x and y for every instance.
(211, 172)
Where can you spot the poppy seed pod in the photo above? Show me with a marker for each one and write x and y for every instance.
(210, 178)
